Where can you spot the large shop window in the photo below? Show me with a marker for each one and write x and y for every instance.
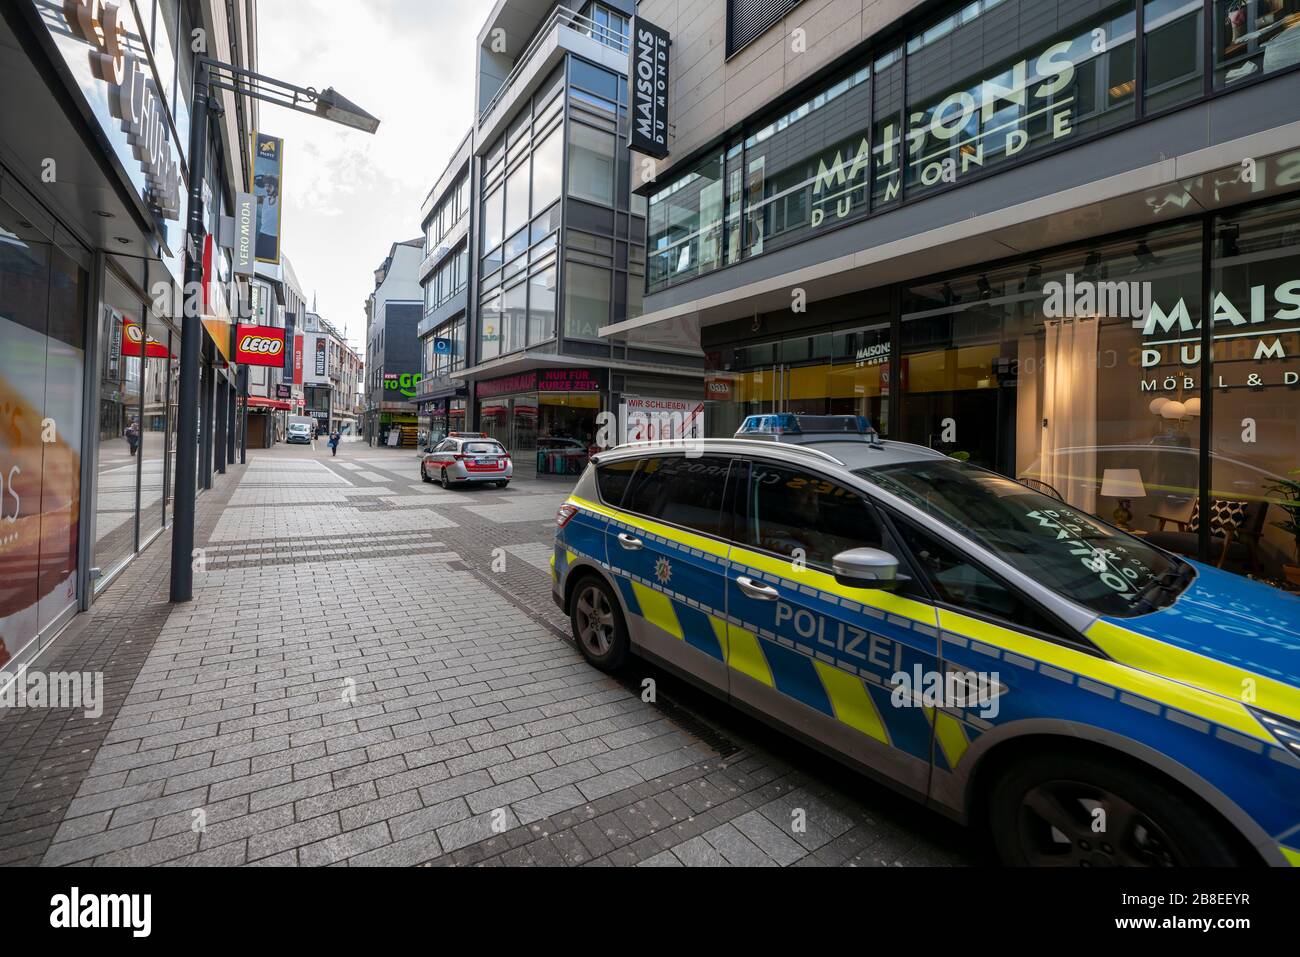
(1254, 482)
(841, 372)
(1083, 376)
(808, 166)
(996, 81)
(42, 321)
(122, 350)
(1037, 371)
(1014, 78)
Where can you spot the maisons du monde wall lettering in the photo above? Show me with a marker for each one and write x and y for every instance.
(933, 135)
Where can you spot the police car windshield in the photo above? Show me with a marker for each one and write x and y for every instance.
(1062, 547)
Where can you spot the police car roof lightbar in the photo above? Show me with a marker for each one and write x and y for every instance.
(788, 427)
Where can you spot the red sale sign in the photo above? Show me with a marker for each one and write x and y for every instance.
(259, 346)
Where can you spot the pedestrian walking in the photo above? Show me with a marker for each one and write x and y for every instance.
(335, 438)
(133, 436)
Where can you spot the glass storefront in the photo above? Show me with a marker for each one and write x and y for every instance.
(836, 372)
(44, 286)
(550, 431)
(1083, 373)
(117, 470)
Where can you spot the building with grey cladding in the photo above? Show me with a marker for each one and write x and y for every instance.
(535, 240)
(1059, 237)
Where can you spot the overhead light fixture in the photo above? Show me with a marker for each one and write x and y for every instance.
(1145, 257)
(332, 105)
(102, 213)
(123, 240)
(985, 288)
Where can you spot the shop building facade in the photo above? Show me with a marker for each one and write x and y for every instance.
(393, 314)
(549, 249)
(94, 134)
(331, 371)
(1059, 239)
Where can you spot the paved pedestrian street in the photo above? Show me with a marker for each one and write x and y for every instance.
(372, 673)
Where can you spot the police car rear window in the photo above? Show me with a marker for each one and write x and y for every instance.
(483, 448)
(613, 479)
(681, 491)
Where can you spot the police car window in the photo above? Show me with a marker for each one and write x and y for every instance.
(681, 491)
(964, 586)
(1062, 547)
(793, 513)
(483, 448)
(612, 480)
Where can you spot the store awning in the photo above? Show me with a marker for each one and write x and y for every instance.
(257, 402)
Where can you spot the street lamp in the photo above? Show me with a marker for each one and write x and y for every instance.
(210, 74)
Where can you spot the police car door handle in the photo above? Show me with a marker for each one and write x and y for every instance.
(628, 542)
(761, 592)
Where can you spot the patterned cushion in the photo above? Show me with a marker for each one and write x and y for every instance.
(1224, 513)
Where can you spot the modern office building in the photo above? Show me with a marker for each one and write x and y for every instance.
(556, 243)
(94, 186)
(1061, 238)
(446, 217)
(393, 314)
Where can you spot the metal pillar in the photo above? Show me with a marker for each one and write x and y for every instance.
(187, 452)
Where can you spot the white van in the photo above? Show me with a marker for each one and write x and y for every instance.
(300, 429)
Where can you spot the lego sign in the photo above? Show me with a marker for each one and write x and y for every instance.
(259, 346)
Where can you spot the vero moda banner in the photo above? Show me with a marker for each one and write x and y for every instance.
(259, 346)
(649, 65)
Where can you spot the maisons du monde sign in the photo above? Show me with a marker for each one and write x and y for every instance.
(933, 135)
(1264, 330)
(101, 32)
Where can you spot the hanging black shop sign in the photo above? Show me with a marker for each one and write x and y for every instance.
(649, 84)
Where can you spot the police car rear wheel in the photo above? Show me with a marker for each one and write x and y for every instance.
(1076, 811)
(446, 482)
(598, 625)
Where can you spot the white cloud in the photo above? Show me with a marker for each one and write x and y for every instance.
(349, 196)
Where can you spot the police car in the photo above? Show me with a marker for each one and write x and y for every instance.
(1010, 660)
(467, 457)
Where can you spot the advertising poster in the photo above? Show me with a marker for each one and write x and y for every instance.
(40, 457)
(267, 170)
(297, 360)
(662, 420)
(320, 356)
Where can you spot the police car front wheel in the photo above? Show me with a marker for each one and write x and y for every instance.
(598, 625)
(1077, 811)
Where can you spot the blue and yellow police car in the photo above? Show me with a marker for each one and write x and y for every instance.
(1004, 657)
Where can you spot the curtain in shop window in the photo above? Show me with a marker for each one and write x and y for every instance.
(1068, 450)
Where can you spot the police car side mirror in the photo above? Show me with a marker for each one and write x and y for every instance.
(868, 568)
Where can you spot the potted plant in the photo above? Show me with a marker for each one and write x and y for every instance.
(1288, 491)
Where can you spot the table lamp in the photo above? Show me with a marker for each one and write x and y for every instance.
(1125, 485)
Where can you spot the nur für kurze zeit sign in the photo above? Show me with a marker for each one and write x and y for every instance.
(649, 89)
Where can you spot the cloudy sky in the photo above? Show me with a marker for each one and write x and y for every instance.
(348, 196)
